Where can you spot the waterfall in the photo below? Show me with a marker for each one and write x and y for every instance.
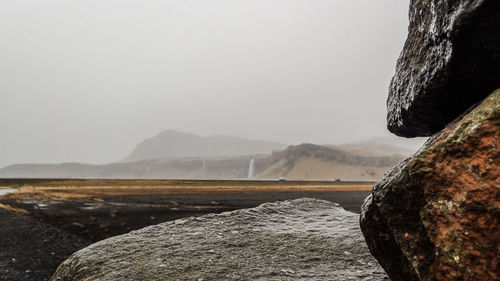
(251, 168)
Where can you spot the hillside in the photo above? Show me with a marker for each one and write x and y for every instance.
(385, 146)
(309, 161)
(175, 144)
(305, 161)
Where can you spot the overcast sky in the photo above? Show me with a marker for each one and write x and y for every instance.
(87, 80)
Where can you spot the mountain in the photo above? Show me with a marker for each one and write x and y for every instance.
(319, 162)
(175, 144)
(300, 162)
(386, 145)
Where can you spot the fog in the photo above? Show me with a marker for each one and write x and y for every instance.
(87, 80)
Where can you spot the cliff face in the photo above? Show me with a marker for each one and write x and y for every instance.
(436, 216)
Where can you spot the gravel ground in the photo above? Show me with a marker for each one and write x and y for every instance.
(303, 239)
(31, 250)
(95, 220)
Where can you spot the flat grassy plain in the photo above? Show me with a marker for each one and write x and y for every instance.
(95, 209)
(82, 188)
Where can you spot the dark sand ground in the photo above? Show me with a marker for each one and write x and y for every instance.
(31, 250)
(53, 225)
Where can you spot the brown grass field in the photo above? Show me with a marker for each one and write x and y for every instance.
(95, 209)
(61, 189)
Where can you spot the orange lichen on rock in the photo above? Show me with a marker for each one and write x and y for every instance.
(445, 204)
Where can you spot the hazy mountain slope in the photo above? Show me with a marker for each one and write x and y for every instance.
(368, 149)
(386, 145)
(309, 161)
(175, 168)
(305, 161)
(174, 144)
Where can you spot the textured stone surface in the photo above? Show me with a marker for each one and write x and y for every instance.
(436, 216)
(302, 239)
(449, 62)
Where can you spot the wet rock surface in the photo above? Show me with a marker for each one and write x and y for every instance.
(302, 239)
(449, 62)
(436, 216)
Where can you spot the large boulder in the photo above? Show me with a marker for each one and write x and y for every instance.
(449, 62)
(303, 239)
(436, 215)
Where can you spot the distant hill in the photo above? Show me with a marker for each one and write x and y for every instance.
(370, 149)
(386, 145)
(310, 161)
(175, 144)
(305, 161)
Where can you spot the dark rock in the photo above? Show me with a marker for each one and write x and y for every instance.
(450, 62)
(303, 239)
(436, 215)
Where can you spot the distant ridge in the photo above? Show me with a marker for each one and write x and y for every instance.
(175, 144)
(178, 155)
(297, 162)
(320, 162)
